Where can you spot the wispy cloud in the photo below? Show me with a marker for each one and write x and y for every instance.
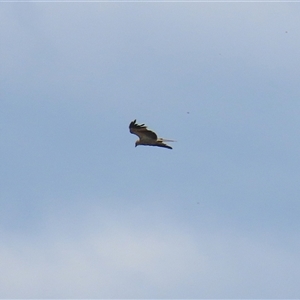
(104, 254)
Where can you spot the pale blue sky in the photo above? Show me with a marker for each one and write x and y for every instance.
(86, 214)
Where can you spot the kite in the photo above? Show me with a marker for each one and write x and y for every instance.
(146, 136)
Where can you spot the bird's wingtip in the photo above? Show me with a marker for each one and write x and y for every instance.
(132, 123)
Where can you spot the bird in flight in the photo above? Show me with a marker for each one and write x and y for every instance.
(146, 136)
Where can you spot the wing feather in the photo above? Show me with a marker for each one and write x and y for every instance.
(163, 145)
(141, 131)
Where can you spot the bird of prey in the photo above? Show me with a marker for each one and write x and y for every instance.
(147, 137)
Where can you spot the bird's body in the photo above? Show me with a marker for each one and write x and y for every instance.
(146, 136)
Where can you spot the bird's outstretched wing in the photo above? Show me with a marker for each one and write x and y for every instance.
(141, 131)
(164, 145)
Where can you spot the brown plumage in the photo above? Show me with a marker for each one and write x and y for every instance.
(146, 136)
